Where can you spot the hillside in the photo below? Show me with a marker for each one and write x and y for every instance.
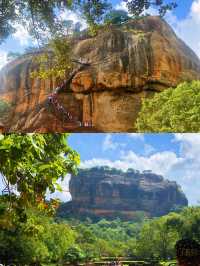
(126, 63)
(111, 193)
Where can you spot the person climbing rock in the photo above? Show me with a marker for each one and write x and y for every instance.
(188, 252)
(59, 110)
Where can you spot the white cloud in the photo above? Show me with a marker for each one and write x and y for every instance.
(70, 15)
(109, 144)
(3, 59)
(22, 35)
(188, 29)
(195, 9)
(189, 145)
(155, 162)
(148, 149)
(136, 136)
(121, 6)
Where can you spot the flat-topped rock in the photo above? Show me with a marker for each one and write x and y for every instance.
(111, 193)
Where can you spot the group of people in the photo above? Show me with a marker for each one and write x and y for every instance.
(53, 100)
(60, 110)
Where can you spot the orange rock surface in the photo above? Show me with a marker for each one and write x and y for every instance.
(127, 63)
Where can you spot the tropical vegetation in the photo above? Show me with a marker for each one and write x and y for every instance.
(173, 110)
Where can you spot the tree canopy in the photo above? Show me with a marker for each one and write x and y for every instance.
(41, 18)
(35, 15)
(35, 241)
(33, 163)
(173, 110)
(116, 17)
(138, 7)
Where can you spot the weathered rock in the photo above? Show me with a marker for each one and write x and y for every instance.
(128, 62)
(111, 193)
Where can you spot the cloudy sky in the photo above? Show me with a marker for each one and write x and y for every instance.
(185, 20)
(175, 156)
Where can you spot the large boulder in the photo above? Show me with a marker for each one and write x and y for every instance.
(127, 63)
(111, 193)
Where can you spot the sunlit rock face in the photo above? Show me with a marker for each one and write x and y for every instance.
(111, 193)
(127, 63)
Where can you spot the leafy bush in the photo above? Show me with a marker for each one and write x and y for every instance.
(37, 240)
(173, 110)
(74, 255)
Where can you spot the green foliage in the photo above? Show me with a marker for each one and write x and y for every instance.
(35, 162)
(138, 7)
(116, 17)
(173, 110)
(56, 61)
(74, 255)
(37, 16)
(41, 18)
(94, 11)
(156, 240)
(38, 240)
(4, 109)
(148, 240)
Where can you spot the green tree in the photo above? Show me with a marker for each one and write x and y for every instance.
(56, 60)
(157, 240)
(37, 240)
(173, 110)
(74, 255)
(34, 163)
(68, 26)
(138, 7)
(116, 17)
(94, 11)
(37, 16)
(40, 17)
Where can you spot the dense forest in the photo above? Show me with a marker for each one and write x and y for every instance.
(36, 238)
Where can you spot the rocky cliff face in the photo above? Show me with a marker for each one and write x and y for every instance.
(111, 193)
(127, 62)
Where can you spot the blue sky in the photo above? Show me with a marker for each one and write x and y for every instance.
(185, 20)
(175, 156)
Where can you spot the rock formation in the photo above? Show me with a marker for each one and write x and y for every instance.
(127, 62)
(111, 193)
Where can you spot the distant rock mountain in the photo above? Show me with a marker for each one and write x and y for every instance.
(111, 193)
(127, 63)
